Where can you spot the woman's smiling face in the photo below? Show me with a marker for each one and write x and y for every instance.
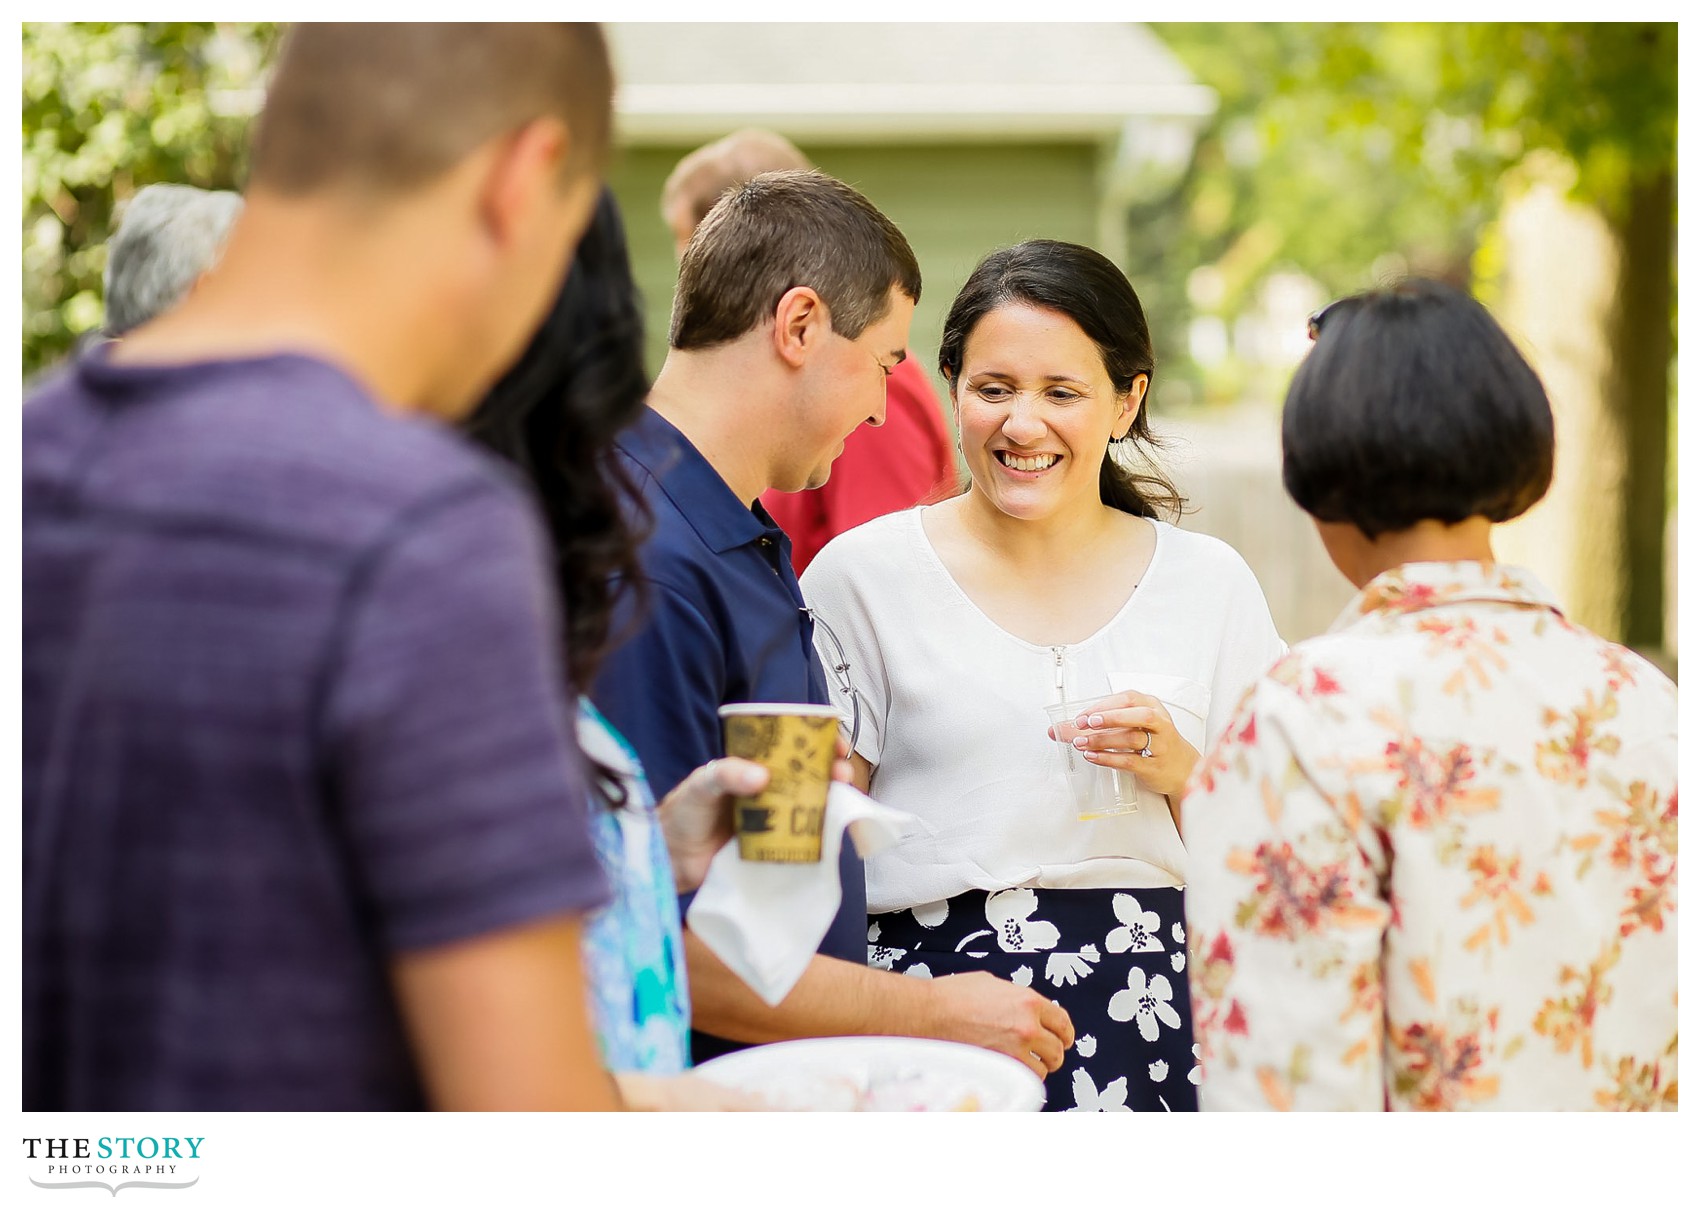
(1037, 411)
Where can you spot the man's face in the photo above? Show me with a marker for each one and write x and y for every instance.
(845, 389)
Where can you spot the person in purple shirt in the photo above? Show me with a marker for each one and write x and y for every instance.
(303, 817)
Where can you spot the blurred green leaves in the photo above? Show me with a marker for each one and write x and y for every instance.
(1348, 151)
(109, 108)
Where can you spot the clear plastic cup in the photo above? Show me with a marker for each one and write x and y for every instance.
(1097, 791)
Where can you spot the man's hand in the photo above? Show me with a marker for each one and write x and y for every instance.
(980, 1009)
(696, 816)
(842, 771)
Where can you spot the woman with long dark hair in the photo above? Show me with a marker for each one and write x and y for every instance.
(555, 416)
(1052, 578)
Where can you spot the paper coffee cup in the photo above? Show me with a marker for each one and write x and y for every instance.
(796, 742)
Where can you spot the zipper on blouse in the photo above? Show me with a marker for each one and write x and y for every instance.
(1058, 649)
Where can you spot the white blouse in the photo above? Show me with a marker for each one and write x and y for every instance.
(953, 715)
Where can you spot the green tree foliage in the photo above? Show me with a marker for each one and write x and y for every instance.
(1347, 150)
(1340, 148)
(109, 108)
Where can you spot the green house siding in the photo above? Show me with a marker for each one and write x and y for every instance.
(955, 203)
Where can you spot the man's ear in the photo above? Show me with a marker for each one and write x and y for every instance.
(1130, 406)
(525, 169)
(800, 321)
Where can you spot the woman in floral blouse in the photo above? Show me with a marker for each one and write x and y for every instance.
(1433, 857)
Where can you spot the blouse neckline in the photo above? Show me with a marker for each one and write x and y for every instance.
(931, 557)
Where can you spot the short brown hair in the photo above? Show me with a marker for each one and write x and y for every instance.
(390, 106)
(699, 179)
(783, 230)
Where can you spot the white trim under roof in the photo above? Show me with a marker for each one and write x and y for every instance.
(669, 113)
(860, 81)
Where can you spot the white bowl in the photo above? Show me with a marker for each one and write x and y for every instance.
(879, 1074)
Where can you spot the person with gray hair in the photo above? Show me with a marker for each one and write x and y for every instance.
(168, 237)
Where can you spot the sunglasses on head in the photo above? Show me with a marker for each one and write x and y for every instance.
(1313, 322)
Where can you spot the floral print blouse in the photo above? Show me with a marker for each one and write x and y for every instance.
(1433, 863)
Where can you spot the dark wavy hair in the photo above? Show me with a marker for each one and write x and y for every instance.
(1085, 286)
(555, 415)
(1414, 405)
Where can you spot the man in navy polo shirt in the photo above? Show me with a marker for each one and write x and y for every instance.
(793, 305)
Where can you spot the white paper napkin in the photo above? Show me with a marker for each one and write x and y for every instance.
(765, 920)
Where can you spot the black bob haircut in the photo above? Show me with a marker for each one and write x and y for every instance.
(1414, 405)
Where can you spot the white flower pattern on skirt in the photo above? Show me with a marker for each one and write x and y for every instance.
(1007, 911)
(884, 958)
(931, 914)
(1145, 1001)
(1138, 932)
(1066, 968)
(1118, 1052)
(1088, 1098)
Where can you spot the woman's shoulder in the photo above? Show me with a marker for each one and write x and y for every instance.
(1199, 553)
(886, 543)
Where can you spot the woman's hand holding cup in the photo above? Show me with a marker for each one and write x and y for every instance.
(1134, 732)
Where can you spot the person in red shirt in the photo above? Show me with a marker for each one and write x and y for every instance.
(883, 469)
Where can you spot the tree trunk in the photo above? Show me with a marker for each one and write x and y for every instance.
(1638, 398)
(1559, 293)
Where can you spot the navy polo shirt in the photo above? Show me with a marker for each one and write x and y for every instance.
(723, 624)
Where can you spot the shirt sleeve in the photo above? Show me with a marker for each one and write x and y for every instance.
(1285, 918)
(1250, 645)
(831, 588)
(453, 756)
(662, 688)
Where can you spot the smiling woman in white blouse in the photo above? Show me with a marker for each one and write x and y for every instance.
(1049, 580)
(1435, 851)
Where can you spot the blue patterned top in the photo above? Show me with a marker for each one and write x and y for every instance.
(634, 946)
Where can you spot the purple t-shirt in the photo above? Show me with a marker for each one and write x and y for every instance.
(292, 705)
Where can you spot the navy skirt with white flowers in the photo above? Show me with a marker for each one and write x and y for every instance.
(1114, 960)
